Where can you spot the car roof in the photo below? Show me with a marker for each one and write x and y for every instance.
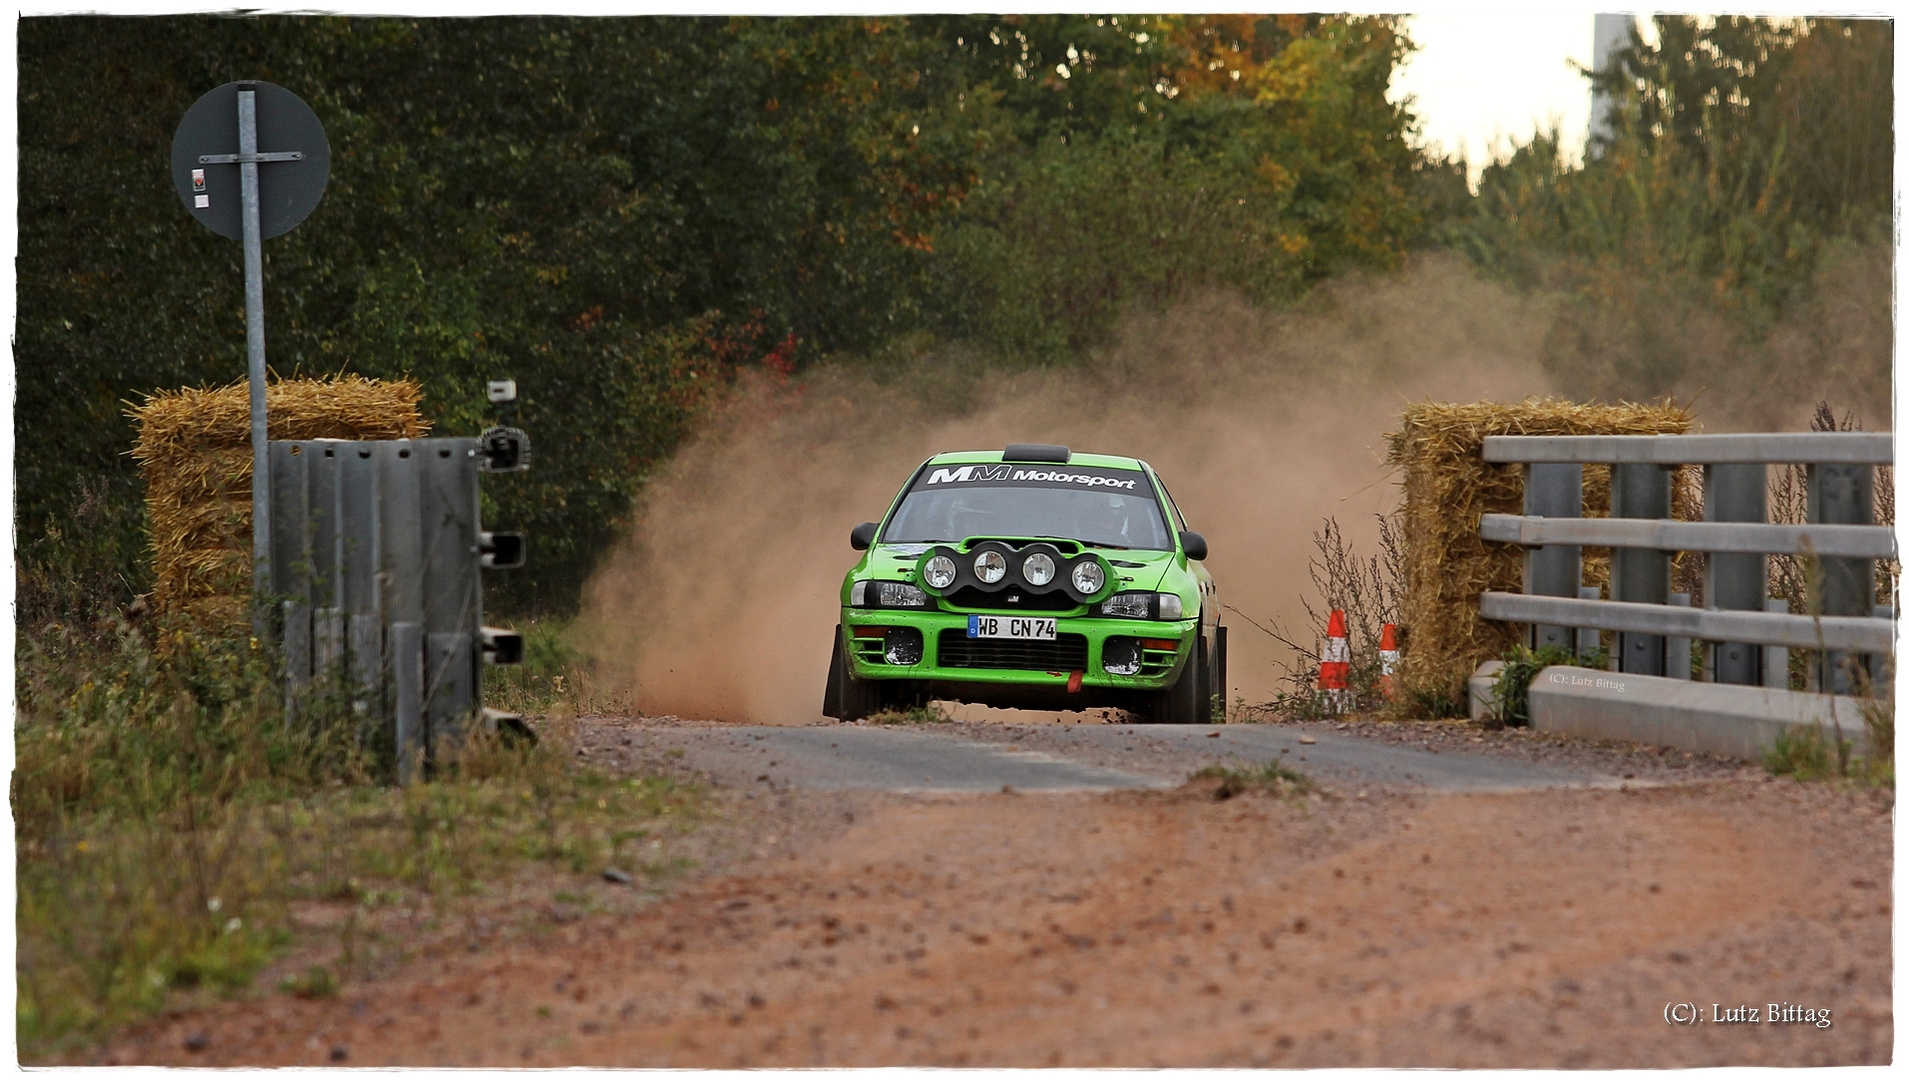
(970, 457)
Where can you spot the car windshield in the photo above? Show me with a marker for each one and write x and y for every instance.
(1103, 507)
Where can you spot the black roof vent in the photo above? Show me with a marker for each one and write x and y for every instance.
(1023, 451)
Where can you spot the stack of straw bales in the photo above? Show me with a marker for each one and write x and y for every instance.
(194, 450)
(1448, 486)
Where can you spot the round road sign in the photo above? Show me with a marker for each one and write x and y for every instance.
(296, 159)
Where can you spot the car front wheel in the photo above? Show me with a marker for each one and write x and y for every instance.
(848, 698)
(1186, 702)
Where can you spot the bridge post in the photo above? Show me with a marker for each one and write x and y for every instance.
(1588, 639)
(1776, 658)
(1640, 576)
(1553, 569)
(1841, 495)
(1733, 581)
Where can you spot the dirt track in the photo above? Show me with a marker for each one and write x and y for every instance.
(1167, 928)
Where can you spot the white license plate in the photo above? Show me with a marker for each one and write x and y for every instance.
(1009, 626)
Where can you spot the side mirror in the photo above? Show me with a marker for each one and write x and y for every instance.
(863, 536)
(1195, 546)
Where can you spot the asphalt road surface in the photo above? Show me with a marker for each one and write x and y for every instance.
(1084, 757)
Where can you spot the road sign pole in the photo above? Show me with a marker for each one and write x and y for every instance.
(257, 208)
(255, 357)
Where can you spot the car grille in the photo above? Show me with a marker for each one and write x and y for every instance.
(869, 649)
(976, 600)
(1068, 652)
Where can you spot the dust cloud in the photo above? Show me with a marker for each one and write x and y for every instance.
(1262, 424)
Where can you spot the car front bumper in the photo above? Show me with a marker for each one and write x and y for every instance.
(1073, 662)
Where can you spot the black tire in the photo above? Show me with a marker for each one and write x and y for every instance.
(1217, 692)
(1185, 702)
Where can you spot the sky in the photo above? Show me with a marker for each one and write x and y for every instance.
(1482, 79)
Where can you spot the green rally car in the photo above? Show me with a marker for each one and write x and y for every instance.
(1031, 577)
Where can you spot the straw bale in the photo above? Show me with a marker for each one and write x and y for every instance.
(1447, 486)
(194, 451)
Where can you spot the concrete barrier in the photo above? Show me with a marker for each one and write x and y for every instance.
(1711, 718)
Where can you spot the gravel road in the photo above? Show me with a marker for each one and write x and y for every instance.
(1445, 897)
(1105, 757)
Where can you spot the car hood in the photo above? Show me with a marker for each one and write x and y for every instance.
(1140, 571)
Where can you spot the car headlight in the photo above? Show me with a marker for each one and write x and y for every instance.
(881, 594)
(1038, 569)
(1142, 605)
(901, 594)
(940, 572)
(990, 567)
(1088, 577)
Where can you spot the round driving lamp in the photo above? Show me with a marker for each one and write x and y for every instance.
(940, 572)
(990, 567)
(1038, 569)
(1088, 578)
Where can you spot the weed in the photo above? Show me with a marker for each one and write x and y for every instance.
(1789, 576)
(1367, 589)
(1803, 753)
(1270, 777)
(1812, 753)
(1511, 690)
(1879, 724)
(929, 713)
(316, 982)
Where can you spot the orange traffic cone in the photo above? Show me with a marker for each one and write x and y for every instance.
(1388, 658)
(1335, 661)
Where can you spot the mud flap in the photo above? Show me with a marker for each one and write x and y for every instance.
(832, 693)
(1219, 676)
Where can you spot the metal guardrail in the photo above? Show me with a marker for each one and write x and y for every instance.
(377, 562)
(1745, 632)
(1825, 541)
(1776, 448)
(1865, 634)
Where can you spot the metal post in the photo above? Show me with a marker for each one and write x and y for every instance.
(358, 486)
(1588, 639)
(1841, 495)
(1640, 576)
(325, 513)
(255, 356)
(406, 654)
(1879, 662)
(1735, 582)
(1776, 658)
(1553, 490)
(448, 489)
(1677, 649)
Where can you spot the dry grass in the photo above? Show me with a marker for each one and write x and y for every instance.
(194, 452)
(1447, 486)
(169, 817)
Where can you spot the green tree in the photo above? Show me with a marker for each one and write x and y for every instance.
(1747, 156)
(621, 213)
